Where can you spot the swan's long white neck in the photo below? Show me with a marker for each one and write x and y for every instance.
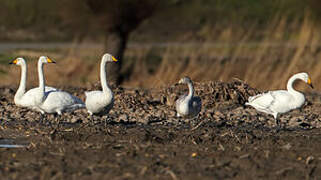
(41, 78)
(290, 84)
(191, 90)
(22, 86)
(103, 77)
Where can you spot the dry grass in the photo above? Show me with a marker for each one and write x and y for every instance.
(266, 64)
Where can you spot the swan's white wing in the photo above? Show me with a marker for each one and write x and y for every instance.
(59, 101)
(272, 101)
(263, 100)
(35, 91)
(283, 101)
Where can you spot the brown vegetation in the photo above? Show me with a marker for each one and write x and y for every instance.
(142, 138)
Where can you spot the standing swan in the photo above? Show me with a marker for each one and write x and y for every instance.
(280, 101)
(23, 98)
(55, 101)
(101, 102)
(188, 105)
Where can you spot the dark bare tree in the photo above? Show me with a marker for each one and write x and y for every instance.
(116, 18)
(314, 7)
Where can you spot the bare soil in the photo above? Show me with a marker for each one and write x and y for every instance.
(142, 139)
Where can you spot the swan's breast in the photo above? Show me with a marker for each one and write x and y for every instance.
(182, 105)
(98, 100)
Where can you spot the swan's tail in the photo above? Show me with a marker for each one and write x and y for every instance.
(79, 106)
(77, 101)
(251, 98)
(75, 107)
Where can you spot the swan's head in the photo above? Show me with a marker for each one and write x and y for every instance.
(109, 58)
(18, 61)
(185, 80)
(45, 60)
(305, 77)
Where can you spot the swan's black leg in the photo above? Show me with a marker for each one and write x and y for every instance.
(279, 126)
(277, 122)
(91, 120)
(42, 118)
(106, 120)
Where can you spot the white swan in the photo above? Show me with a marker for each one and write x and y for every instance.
(280, 101)
(54, 101)
(188, 105)
(23, 98)
(101, 102)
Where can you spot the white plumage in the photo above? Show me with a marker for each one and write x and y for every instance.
(280, 101)
(188, 105)
(23, 98)
(101, 102)
(54, 101)
(60, 101)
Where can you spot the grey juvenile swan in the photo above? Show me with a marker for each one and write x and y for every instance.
(188, 105)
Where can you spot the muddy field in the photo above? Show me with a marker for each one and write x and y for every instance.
(142, 138)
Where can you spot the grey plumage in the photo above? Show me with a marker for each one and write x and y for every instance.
(188, 105)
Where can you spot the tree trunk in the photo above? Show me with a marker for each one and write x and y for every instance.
(115, 45)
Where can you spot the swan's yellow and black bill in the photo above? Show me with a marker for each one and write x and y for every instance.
(14, 61)
(50, 61)
(114, 59)
(310, 83)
